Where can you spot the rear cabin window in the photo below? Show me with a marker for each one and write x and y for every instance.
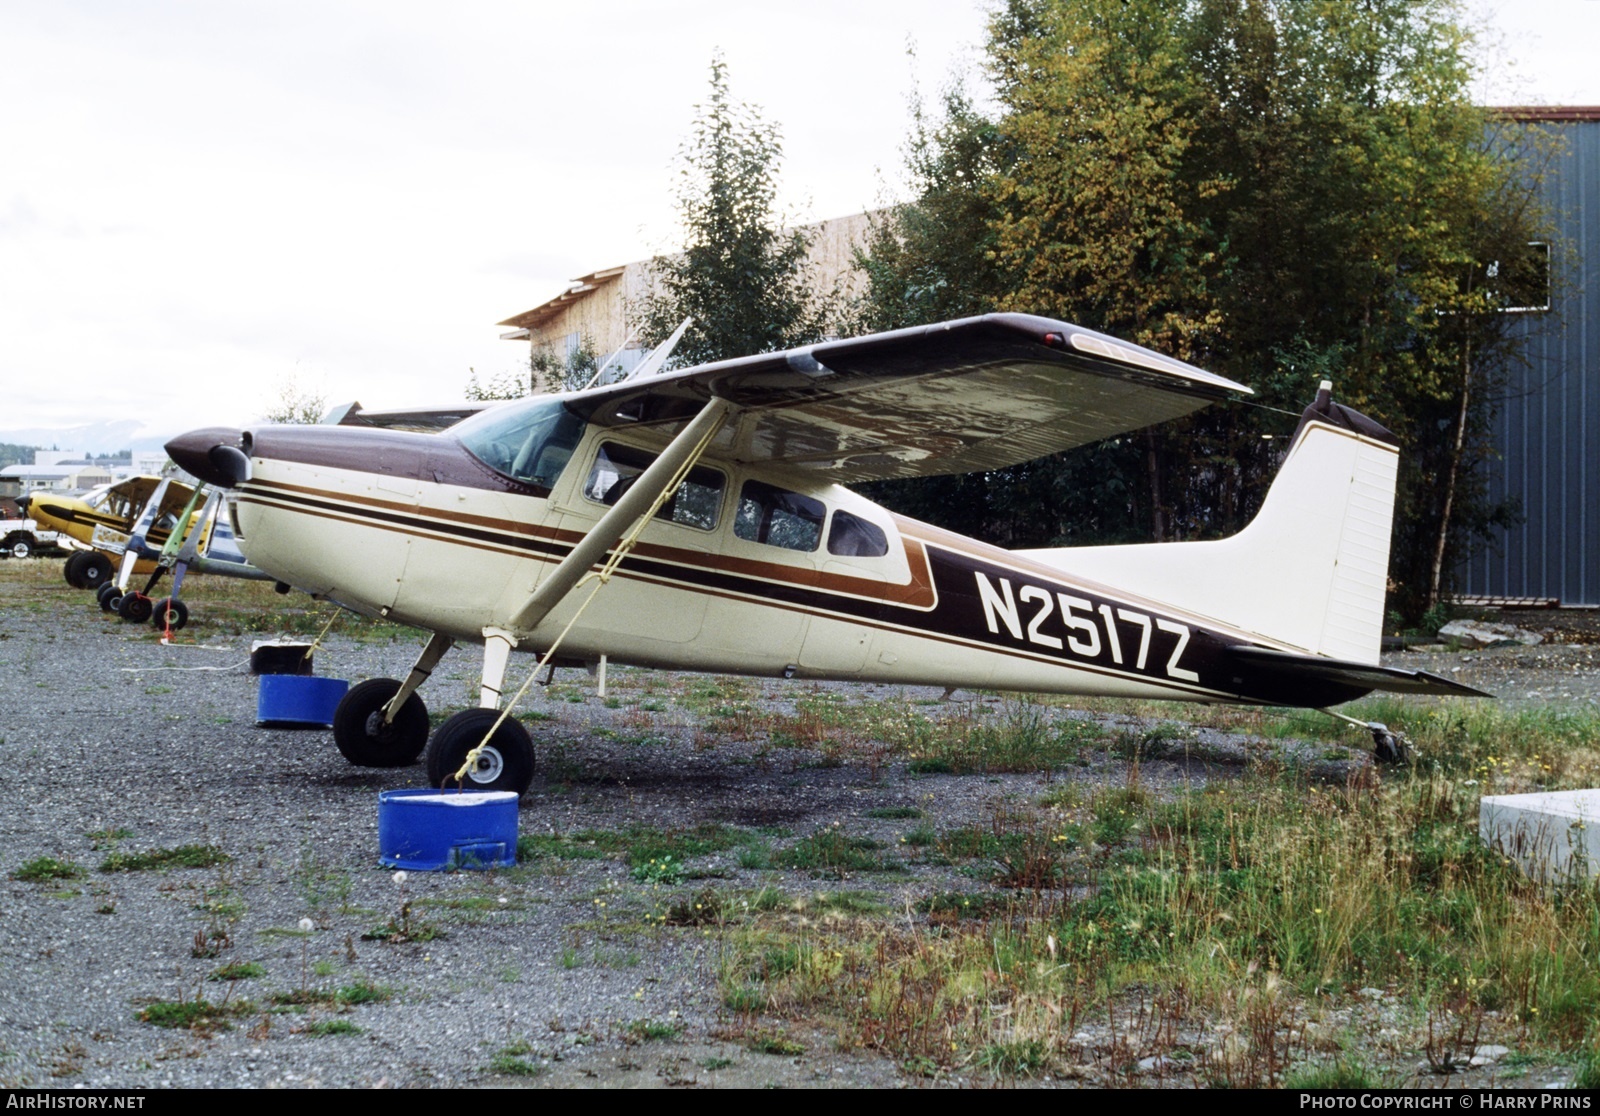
(778, 517)
(530, 441)
(850, 536)
(696, 503)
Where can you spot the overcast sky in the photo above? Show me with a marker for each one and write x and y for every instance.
(202, 199)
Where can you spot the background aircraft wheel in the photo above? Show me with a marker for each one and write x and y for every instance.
(506, 764)
(135, 608)
(95, 571)
(19, 545)
(364, 739)
(169, 614)
(72, 565)
(108, 595)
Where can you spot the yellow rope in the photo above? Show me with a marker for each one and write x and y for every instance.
(599, 577)
(316, 643)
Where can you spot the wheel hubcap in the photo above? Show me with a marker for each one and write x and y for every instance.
(489, 765)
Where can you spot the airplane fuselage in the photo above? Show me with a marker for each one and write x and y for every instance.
(414, 528)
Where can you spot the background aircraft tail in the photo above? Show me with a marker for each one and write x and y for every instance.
(1309, 571)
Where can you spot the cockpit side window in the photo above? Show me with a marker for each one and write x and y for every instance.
(529, 441)
(775, 516)
(850, 536)
(696, 503)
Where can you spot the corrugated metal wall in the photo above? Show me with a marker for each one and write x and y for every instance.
(1547, 432)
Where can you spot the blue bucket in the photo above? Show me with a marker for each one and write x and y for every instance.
(428, 830)
(298, 699)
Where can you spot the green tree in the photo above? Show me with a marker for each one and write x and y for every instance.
(745, 281)
(1281, 192)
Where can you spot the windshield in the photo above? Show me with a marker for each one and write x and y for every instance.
(530, 441)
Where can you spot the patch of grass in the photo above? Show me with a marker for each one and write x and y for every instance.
(324, 1027)
(193, 1015)
(662, 871)
(833, 850)
(1023, 738)
(183, 856)
(713, 1064)
(362, 992)
(100, 838)
(891, 813)
(1336, 1075)
(774, 1042)
(304, 997)
(1019, 1058)
(509, 1063)
(239, 970)
(650, 1030)
(43, 869)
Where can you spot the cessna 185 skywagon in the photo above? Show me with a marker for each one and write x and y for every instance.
(717, 494)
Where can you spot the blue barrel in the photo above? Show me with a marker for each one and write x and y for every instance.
(428, 830)
(298, 699)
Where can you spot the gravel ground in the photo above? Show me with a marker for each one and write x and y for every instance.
(105, 729)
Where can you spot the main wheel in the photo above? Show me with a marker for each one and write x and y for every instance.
(135, 608)
(109, 596)
(1388, 748)
(72, 567)
(506, 762)
(364, 739)
(170, 614)
(95, 570)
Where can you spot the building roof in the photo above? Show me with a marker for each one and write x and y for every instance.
(1547, 114)
(529, 320)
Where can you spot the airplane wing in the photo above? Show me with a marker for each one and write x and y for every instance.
(975, 394)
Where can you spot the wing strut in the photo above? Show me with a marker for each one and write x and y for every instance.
(619, 528)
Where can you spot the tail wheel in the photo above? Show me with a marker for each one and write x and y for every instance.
(362, 736)
(170, 614)
(135, 608)
(109, 596)
(506, 762)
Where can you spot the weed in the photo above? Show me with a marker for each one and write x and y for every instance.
(100, 838)
(46, 868)
(184, 856)
(831, 850)
(324, 1027)
(1027, 1057)
(702, 909)
(649, 1030)
(773, 1042)
(894, 812)
(713, 1064)
(238, 970)
(509, 1063)
(193, 1015)
(658, 871)
(362, 992)
(1341, 1074)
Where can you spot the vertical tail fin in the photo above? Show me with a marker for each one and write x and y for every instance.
(1309, 571)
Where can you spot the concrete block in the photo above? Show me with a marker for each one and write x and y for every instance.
(1553, 835)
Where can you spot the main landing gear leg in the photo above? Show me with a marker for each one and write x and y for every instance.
(421, 670)
(505, 762)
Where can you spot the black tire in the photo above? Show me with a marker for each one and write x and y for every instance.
(19, 545)
(73, 564)
(505, 764)
(95, 570)
(135, 608)
(169, 613)
(109, 596)
(363, 738)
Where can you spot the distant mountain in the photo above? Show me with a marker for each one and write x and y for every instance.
(95, 437)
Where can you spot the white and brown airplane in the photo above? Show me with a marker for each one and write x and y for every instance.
(758, 561)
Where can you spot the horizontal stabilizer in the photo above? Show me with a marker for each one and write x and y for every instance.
(1280, 668)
